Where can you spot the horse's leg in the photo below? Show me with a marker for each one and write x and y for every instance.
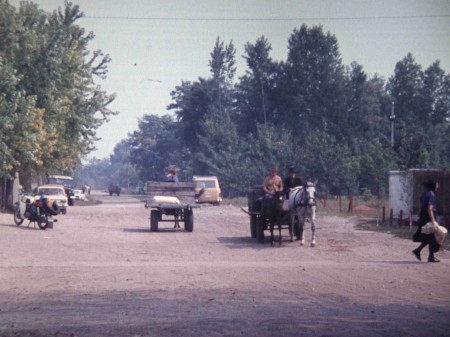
(296, 224)
(291, 225)
(313, 226)
(301, 224)
(279, 232)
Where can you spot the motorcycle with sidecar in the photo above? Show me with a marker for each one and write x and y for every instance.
(36, 209)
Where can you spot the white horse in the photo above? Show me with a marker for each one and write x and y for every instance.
(302, 208)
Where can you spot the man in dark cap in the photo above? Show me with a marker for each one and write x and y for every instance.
(291, 181)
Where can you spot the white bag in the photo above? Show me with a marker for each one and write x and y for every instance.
(162, 199)
(440, 233)
(428, 228)
(434, 228)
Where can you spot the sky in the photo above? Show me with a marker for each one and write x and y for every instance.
(155, 45)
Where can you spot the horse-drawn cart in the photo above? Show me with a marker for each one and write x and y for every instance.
(259, 221)
(171, 202)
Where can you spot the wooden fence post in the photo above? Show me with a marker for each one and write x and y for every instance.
(400, 218)
(391, 217)
(350, 203)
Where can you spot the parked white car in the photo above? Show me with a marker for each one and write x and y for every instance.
(79, 195)
(56, 193)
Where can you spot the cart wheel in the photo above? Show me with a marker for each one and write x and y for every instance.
(259, 230)
(154, 218)
(189, 220)
(253, 222)
(17, 219)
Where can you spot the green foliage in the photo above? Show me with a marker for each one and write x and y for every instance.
(19, 124)
(314, 81)
(255, 89)
(422, 108)
(223, 153)
(96, 173)
(156, 146)
(193, 104)
(45, 61)
(100, 173)
(375, 161)
(329, 121)
(330, 162)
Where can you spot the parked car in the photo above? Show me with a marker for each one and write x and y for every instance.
(68, 184)
(113, 188)
(207, 190)
(56, 193)
(79, 195)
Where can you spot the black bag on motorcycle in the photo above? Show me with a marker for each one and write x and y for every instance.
(34, 213)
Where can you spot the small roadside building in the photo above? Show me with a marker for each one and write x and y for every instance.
(405, 188)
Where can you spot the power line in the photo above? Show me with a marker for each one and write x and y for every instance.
(395, 17)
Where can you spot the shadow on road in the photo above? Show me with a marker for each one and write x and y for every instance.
(24, 226)
(397, 262)
(160, 230)
(136, 230)
(242, 242)
(150, 314)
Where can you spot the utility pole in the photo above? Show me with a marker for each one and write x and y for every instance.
(392, 119)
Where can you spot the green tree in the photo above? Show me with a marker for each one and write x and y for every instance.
(50, 56)
(331, 162)
(313, 92)
(155, 146)
(422, 109)
(255, 86)
(223, 68)
(375, 161)
(435, 93)
(20, 125)
(96, 173)
(365, 117)
(223, 153)
(192, 105)
(123, 171)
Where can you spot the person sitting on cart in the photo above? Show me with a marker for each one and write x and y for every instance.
(272, 183)
(291, 181)
(172, 176)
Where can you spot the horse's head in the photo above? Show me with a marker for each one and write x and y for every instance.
(278, 199)
(310, 189)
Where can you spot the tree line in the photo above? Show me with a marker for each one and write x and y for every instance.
(331, 121)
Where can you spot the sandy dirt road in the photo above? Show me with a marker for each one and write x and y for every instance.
(101, 272)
